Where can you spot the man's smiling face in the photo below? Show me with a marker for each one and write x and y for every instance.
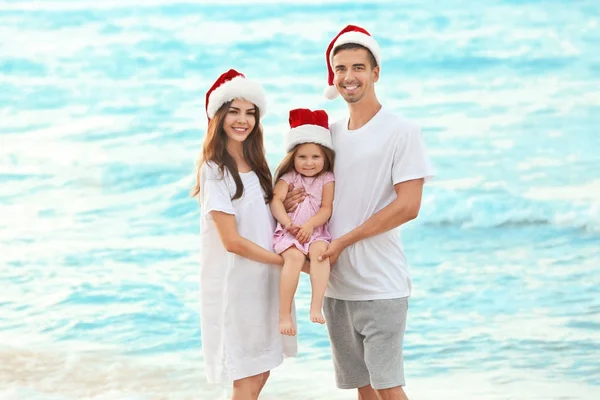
(354, 75)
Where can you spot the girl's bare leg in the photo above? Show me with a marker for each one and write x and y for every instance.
(293, 261)
(319, 276)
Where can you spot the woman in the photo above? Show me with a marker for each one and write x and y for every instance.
(239, 272)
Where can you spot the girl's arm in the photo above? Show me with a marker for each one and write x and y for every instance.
(237, 244)
(322, 216)
(277, 208)
(324, 213)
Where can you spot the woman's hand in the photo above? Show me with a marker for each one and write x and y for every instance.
(304, 233)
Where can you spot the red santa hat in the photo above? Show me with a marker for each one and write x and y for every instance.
(350, 34)
(234, 85)
(308, 127)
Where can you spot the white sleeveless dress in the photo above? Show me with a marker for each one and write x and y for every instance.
(239, 298)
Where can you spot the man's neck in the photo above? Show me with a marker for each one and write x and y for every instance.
(362, 112)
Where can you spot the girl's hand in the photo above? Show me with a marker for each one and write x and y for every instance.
(292, 228)
(304, 233)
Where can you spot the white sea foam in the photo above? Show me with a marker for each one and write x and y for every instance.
(59, 375)
(586, 191)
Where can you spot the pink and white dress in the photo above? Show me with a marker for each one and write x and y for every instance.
(313, 186)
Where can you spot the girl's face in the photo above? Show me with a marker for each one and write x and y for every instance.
(309, 159)
(239, 120)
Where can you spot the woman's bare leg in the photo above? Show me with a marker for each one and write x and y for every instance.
(264, 381)
(247, 388)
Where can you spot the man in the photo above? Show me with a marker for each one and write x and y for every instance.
(380, 168)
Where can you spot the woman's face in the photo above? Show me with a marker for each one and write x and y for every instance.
(239, 120)
(309, 159)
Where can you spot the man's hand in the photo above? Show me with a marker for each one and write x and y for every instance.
(333, 251)
(293, 198)
(304, 233)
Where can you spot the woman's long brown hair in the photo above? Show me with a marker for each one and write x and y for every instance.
(287, 164)
(215, 150)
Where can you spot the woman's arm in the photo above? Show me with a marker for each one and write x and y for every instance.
(277, 208)
(237, 244)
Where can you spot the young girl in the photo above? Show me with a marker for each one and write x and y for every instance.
(302, 232)
(239, 276)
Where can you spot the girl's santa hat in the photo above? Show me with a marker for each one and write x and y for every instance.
(308, 127)
(350, 34)
(234, 85)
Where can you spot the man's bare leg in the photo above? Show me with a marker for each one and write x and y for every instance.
(395, 393)
(367, 393)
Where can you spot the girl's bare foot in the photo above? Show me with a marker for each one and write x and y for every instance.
(317, 317)
(286, 326)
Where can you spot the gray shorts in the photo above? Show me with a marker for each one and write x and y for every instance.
(366, 341)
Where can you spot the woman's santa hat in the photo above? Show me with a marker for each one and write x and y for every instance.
(234, 85)
(308, 127)
(350, 34)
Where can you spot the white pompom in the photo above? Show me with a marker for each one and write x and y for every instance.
(330, 92)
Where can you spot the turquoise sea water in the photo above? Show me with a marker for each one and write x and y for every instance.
(101, 119)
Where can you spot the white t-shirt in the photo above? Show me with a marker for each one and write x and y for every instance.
(369, 161)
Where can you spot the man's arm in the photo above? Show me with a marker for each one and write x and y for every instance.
(403, 209)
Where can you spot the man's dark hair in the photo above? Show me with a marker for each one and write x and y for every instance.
(352, 46)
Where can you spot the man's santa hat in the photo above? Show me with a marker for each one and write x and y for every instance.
(308, 127)
(234, 85)
(350, 34)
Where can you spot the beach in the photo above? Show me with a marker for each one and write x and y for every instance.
(101, 121)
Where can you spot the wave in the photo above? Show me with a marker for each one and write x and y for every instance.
(36, 5)
(575, 207)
